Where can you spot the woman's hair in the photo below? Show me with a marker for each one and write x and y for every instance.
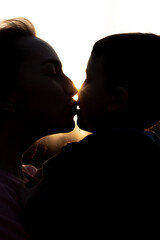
(11, 31)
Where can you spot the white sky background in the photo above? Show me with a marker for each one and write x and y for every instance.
(71, 27)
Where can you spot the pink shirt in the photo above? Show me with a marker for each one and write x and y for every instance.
(30, 170)
(11, 227)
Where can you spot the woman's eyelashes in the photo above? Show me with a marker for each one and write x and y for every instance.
(52, 74)
(52, 71)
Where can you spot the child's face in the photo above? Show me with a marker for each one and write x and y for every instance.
(44, 100)
(93, 96)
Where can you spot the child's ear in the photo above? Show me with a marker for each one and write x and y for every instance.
(8, 105)
(119, 99)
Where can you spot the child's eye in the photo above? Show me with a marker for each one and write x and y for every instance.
(87, 80)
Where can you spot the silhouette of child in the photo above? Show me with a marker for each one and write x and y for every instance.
(107, 183)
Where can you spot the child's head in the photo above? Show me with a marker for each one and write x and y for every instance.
(34, 90)
(122, 84)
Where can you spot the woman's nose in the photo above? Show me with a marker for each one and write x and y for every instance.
(70, 88)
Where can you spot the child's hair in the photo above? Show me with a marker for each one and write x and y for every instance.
(11, 30)
(131, 61)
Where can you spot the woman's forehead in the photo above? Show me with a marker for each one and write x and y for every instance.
(34, 48)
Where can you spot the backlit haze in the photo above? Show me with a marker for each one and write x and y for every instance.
(71, 27)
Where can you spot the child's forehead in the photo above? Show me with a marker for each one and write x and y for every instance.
(95, 62)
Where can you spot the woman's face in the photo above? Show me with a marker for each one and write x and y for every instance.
(44, 100)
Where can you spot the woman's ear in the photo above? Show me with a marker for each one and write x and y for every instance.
(8, 105)
(119, 99)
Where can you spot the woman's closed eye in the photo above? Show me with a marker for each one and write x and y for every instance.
(51, 71)
(52, 74)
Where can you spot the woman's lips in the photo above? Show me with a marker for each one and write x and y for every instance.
(72, 109)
